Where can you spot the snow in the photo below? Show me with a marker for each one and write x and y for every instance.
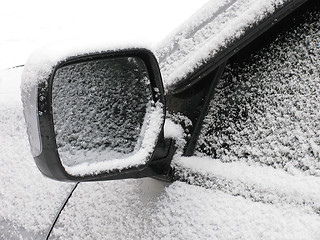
(27, 25)
(266, 107)
(173, 130)
(216, 198)
(99, 133)
(28, 201)
(137, 158)
(42, 63)
(259, 183)
(37, 70)
(210, 30)
(178, 211)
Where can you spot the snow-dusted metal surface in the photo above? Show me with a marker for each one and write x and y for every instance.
(127, 210)
(211, 29)
(28, 201)
(233, 199)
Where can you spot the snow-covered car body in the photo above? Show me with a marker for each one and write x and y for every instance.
(231, 199)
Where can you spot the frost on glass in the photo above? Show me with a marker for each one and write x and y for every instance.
(99, 109)
(266, 106)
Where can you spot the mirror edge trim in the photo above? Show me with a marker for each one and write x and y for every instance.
(48, 161)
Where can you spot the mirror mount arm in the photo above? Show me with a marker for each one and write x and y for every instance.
(159, 167)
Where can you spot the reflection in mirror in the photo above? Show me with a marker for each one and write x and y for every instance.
(99, 109)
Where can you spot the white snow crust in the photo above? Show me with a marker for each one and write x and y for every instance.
(43, 60)
(224, 197)
(266, 109)
(174, 130)
(27, 25)
(154, 119)
(28, 201)
(41, 64)
(227, 199)
(210, 30)
(145, 209)
(104, 114)
(259, 183)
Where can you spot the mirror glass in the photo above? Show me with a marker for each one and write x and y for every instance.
(99, 109)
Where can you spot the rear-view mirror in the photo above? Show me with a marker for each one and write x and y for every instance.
(97, 116)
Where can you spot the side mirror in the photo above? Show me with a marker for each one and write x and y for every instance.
(97, 116)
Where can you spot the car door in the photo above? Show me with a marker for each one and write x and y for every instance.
(261, 131)
(247, 178)
(28, 201)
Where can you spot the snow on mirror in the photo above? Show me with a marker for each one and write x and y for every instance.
(99, 109)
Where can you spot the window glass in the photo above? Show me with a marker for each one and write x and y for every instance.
(266, 108)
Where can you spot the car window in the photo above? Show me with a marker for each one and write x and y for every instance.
(266, 107)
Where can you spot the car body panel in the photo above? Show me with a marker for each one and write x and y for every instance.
(217, 198)
(28, 201)
(127, 209)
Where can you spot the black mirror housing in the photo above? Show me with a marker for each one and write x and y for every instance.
(37, 97)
